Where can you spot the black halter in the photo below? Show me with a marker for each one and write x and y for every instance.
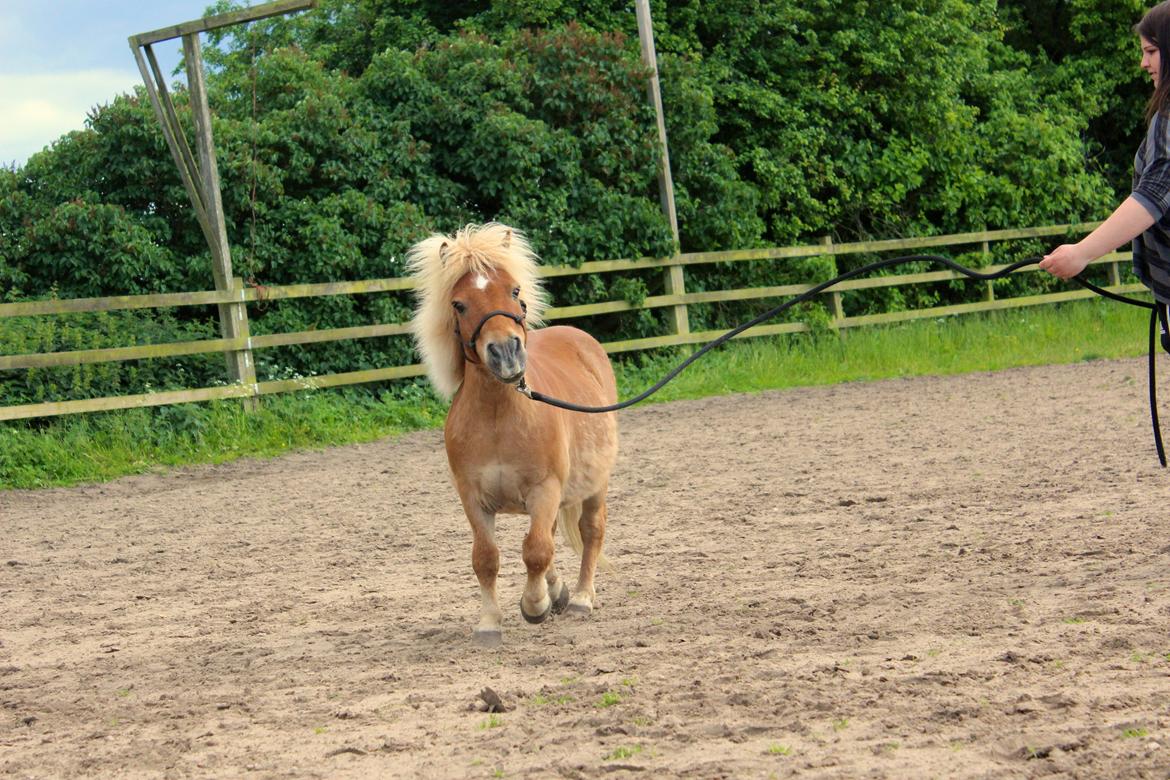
(469, 345)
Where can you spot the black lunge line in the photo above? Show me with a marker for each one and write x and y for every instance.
(536, 395)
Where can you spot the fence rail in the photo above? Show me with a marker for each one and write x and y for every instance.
(238, 294)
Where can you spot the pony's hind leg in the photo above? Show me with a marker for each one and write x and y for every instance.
(536, 603)
(592, 525)
(485, 560)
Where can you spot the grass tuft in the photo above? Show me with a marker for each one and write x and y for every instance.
(608, 699)
(623, 752)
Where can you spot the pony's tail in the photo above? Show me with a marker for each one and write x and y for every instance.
(568, 520)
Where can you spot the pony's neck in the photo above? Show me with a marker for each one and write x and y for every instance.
(480, 383)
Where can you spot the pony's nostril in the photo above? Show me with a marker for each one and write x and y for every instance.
(493, 351)
(515, 343)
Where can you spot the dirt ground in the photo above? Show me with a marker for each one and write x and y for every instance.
(943, 577)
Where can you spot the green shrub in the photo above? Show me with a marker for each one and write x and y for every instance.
(347, 133)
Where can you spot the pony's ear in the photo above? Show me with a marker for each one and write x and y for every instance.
(507, 238)
(443, 253)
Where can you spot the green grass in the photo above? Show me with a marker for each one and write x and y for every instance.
(608, 699)
(623, 752)
(95, 447)
(1047, 335)
(87, 448)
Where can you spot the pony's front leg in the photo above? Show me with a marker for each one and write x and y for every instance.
(485, 560)
(558, 591)
(542, 504)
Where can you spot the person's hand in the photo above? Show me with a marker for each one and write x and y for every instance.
(1066, 261)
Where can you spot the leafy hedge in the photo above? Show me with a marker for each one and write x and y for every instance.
(347, 133)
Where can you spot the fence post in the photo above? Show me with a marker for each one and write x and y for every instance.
(989, 292)
(674, 282)
(835, 308)
(243, 357)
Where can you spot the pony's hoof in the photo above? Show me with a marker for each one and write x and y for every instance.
(580, 607)
(561, 601)
(543, 616)
(492, 637)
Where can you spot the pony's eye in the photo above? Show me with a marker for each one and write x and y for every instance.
(459, 307)
(516, 293)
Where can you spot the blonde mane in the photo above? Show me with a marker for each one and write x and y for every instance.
(437, 263)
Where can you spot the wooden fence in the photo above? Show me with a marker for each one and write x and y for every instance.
(239, 296)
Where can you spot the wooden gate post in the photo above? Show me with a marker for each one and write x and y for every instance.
(674, 282)
(233, 317)
(201, 176)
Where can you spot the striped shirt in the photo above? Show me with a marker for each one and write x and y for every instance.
(1151, 188)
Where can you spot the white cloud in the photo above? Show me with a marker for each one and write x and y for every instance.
(40, 108)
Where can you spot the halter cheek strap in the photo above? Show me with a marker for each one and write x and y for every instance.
(469, 352)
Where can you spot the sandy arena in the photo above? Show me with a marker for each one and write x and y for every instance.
(963, 577)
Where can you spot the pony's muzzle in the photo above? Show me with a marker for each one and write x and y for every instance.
(506, 359)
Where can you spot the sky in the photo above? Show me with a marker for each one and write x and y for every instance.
(60, 58)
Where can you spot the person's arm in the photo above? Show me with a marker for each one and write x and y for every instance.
(1122, 226)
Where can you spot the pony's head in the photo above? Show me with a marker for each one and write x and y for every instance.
(476, 292)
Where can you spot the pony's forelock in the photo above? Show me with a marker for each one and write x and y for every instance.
(437, 263)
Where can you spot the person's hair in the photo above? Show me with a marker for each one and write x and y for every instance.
(1155, 27)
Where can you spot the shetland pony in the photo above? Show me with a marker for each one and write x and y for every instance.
(478, 294)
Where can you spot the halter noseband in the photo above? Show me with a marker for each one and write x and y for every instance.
(469, 345)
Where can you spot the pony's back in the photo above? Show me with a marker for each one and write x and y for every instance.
(551, 349)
